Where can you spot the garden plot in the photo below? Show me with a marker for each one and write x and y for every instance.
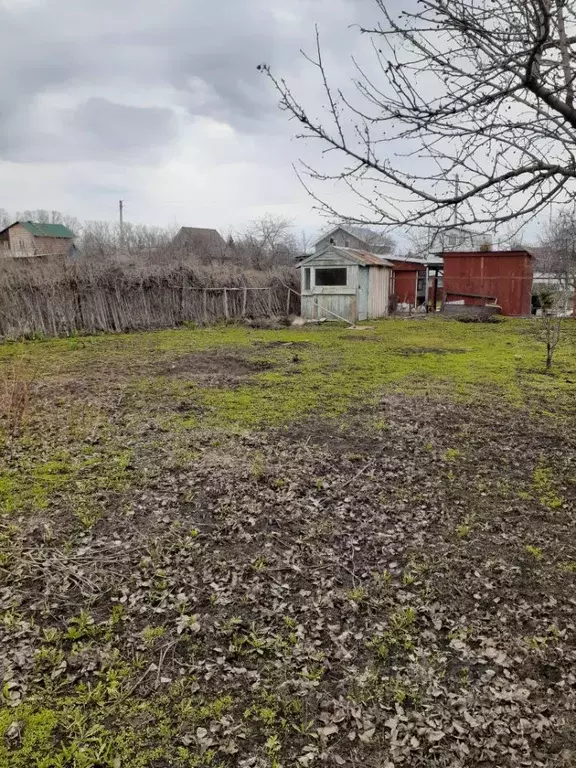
(277, 548)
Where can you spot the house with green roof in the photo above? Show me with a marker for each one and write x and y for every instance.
(25, 239)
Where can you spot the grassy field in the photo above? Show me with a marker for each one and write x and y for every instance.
(306, 547)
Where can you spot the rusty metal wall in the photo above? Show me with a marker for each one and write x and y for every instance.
(504, 275)
(405, 286)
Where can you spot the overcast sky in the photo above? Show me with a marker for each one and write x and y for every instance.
(161, 104)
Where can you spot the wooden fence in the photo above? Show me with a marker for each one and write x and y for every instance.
(76, 303)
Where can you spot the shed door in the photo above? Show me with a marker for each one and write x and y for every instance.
(363, 283)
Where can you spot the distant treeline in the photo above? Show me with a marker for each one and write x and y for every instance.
(59, 297)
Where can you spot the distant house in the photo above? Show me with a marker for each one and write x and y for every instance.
(358, 238)
(458, 239)
(206, 244)
(25, 239)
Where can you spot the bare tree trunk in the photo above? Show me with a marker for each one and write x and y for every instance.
(549, 357)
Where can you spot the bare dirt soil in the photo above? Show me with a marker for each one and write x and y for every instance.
(219, 367)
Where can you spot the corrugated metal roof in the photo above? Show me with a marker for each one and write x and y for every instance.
(47, 230)
(408, 266)
(365, 257)
(410, 259)
(361, 257)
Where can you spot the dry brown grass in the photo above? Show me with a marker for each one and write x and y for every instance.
(15, 385)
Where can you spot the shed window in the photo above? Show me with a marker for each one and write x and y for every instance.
(307, 271)
(331, 276)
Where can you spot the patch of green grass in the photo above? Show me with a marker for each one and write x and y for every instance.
(544, 486)
(77, 733)
(335, 368)
(34, 740)
(356, 595)
(536, 552)
(19, 491)
(31, 487)
(463, 530)
(151, 634)
(398, 638)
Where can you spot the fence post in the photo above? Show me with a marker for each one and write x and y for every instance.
(244, 302)
(288, 302)
(270, 302)
(182, 290)
(225, 303)
(205, 304)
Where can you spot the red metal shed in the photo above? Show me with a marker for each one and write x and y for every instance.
(486, 277)
(405, 288)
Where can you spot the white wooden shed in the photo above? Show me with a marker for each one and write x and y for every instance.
(345, 282)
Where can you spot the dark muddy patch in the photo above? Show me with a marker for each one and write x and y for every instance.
(327, 434)
(282, 344)
(211, 367)
(351, 336)
(413, 351)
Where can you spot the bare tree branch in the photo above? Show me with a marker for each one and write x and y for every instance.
(479, 88)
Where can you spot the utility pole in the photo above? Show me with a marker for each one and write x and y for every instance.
(456, 193)
(121, 208)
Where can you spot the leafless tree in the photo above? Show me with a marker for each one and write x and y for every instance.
(550, 332)
(101, 240)
(266, 243)
(270, 232)
(548, 326)
(378, 242)
(557, 254)
(305, 242)
(43, 216)
(470, 105)
(5, 219)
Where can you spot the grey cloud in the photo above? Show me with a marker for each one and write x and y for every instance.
(97, 130)
(207, 52)
(114, 131)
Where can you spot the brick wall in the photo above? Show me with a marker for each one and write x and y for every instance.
(19, 243)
